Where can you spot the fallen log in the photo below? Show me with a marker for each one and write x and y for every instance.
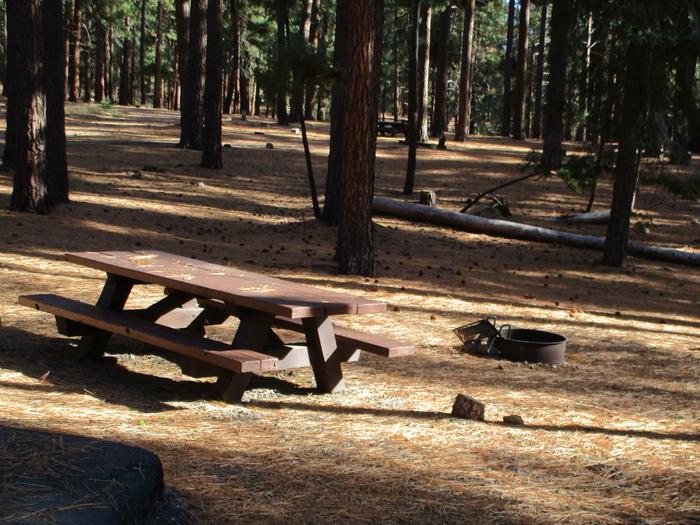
(525, 232)
(590, 217)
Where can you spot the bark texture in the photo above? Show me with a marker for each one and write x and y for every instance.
(539, 74)
(194, 108)
(182, 22)
(508, 72)
(364, 50)
(521, 72)
(635, 88)
(211, 146)
(464, 104)
(158, 83)
(556, 88)
(424, 71)
(439, 123)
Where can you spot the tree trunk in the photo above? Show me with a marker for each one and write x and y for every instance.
(412, 98)
(598, 69)
(297, 102)
(193, 110)
(424, 72)
(211, 150)
(539, 74)
(313, 40)
(516, 230)
(584, 83)
(14, 63)
(256, 105)
(87, 85)
(109, 84)
(132, 71)
(556, 88)
(507, 72)
(684, 103)
(395, 74)
(332, 203)
(142, 53)
(244, 83)
(182, 22)
(158, 84)
(30, 184)
(465, 86)
(54, 55)
(635, 99)
(439, 122)
(364, 43)
(3, 64)
(124, 81)
(74, 65)
(235, 57)
(521, 71)
(100, 38)
(656, 129)
(282, 67)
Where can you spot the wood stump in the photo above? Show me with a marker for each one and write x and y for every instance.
(428, 198)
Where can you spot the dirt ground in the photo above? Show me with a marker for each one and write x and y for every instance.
(611, 437)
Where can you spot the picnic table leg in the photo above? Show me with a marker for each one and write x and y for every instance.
(252, 334)
(113, 297)
(324, 354)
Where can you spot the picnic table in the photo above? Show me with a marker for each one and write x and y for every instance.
(198, 294)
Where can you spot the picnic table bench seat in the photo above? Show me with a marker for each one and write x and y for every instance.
(209, 351)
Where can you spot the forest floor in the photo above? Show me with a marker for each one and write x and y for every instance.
(611, 437)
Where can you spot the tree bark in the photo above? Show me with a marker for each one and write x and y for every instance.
(30, 183)
(684, 103)
(109, 83)
(396, 88)
(193, 110)
(464, 104)
(507, 72)
(211, 150)
(539, 74)
(521, 71)
(584, 83)
(182, 22)
(637, 60)
(412, 98)
(232, 88)
(424, 72)
(439, 123)
(100, 38)
(74, 65)
(87, 77)
(158, 83)
(332, 203)
(14, 62)
(282, 12)
(142, 53)
(54, 55)
(556, 88)
(364, 43)
(124, 80)
(313, 41)
(297, 102)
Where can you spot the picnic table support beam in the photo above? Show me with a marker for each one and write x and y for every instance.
(252, 334)
(113, 297)
(324, 354)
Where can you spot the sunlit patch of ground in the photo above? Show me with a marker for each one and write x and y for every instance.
(613, 436)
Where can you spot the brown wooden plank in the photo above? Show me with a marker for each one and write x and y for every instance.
(374, 344)
(240, 287)
(207, 350)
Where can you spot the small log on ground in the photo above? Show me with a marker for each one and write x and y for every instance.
(525, 232)
(468, 408)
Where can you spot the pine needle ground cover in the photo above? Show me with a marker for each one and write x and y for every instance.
(611, 437)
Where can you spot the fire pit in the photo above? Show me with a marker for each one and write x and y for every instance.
(533, 346)
(516, 344)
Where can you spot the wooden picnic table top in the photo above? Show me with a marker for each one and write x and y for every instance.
(226, 283)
